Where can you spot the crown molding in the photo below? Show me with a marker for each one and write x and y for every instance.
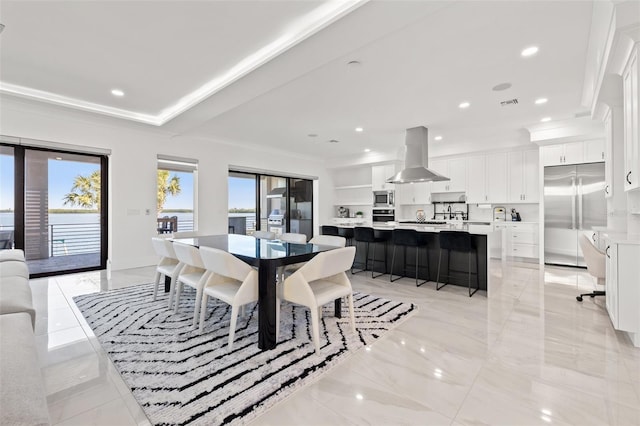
(301, 29)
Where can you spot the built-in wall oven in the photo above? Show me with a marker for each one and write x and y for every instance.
(383, 215)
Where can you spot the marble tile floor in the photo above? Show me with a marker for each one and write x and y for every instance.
(529, 355)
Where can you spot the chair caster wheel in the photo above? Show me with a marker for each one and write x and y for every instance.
(592, 296)
(579, 298)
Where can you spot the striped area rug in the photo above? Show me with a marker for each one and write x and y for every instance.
(181, 377)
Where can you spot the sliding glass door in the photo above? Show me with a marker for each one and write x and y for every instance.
(7, 203)
(59, 217)
(270, 203)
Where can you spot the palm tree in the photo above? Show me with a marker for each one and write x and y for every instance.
(166, 187)
(85, 191)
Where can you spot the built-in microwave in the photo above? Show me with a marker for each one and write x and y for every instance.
(382, 198)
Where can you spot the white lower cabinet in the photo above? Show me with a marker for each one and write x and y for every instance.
(519, 239)
(622, 286)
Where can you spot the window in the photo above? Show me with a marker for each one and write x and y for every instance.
(242, 203)
(176, 194)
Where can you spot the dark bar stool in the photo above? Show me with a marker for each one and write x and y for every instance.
(460, 242)
(329, 230)
(362, 234)
(347, 233)
(406, 238)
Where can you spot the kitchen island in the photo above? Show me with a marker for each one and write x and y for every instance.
(484, 237)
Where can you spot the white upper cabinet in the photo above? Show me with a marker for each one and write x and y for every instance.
(487, 180)
(496, 166)
(455, 169)
(573, 153)
(567, 153)
(442, 167)
(531, 173)
(379, 176)
(476, 189)
(458, 174)
(631, 114)
(413, 193)
(594, 151)
(523, 177)
(552, 155)
(608, 155)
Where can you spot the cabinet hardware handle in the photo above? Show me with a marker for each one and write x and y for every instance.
(607, 252)
(606, 189)
(603, 155)
(593, 237)
(628, 181)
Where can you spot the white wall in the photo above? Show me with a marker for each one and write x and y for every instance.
(133, 164)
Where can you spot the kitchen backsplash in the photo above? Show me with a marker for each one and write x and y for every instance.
(528, 212)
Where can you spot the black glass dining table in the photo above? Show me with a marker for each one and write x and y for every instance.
(267, 256)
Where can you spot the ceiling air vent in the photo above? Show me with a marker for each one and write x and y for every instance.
(509, 102)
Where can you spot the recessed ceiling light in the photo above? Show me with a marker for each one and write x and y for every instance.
(544, 120)
(333, 141)
(313, 135)
(541, 101)
(501, 86)
(117, 92)
(464, 105)
(367, 150)
(58, 158)
(359, 129)
(529, 51)
(438, 138)
(354, 65)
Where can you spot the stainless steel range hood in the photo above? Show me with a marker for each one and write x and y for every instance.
(416, 159)
(277, 193)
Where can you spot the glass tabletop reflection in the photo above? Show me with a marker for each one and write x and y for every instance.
(254, 248)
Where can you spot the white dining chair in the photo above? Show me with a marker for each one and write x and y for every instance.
(265, 235)
(329, 240)
(186, 234)
(192, 273)
(319, 282)
(231, 281)
(321, 240)
(290, 237)
(169, 265)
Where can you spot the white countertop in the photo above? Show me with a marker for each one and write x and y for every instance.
(472, 229)
(622, 238)
(617, 236)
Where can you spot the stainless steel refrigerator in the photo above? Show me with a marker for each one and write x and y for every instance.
(573, 203)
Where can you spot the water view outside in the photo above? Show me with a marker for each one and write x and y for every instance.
(75, 233)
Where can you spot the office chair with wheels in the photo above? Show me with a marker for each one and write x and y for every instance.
(596, 261)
